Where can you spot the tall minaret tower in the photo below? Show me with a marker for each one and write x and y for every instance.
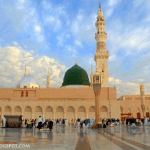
(48, 80)
(101, 54)
(25, 72)
(142, 99)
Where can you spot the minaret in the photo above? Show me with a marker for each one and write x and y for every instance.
(91, 76)
(97, 82)
(48, 80)
(142, 98)
(25, 72)
(101, 54)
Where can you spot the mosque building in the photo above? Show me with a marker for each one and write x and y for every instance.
(76, 97)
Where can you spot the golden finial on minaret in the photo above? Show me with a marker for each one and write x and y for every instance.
(76, 62)
(100, 5)
(25, 73)
(91, 70)
(48, 79)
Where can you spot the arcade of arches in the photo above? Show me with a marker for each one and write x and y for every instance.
(54, 113)
(134, 112)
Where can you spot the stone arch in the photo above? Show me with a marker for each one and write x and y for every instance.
(70, 113)
(91, 112)
(38, 109)
(147, 112)
(71, 109)
(49, 109)
(138, 113)
(104, 112)
(81, 109)
(49, 113)
(27, 113)
(59, 112)
(38, 112)
(7, 110)
(17, 110)
(82, 112)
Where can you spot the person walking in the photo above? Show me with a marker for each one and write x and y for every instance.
(39, 123)
(50, 125)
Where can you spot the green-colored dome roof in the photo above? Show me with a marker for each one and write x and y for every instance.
(76, 76)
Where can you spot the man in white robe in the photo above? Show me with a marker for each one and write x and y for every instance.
(3, 122)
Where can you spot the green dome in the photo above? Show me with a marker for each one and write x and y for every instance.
(76, 76)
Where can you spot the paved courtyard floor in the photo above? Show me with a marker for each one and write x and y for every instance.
(70, 138)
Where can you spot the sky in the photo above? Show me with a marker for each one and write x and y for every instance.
(42, 34)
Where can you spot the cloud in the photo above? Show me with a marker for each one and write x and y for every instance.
(13, 60)
(54, 16)
(113, 2)
(83, 28)
(111, 7)
(37, 28)
(78, 43)
(124, 88)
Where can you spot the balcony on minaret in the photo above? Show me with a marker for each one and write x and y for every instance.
(96, 78)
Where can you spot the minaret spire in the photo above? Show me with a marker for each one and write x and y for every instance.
(25, 72)
(101, 54)
(99, 4)
(91, 70)
(48, 79)
(76, 62)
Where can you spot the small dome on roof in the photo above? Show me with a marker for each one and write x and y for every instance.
(28, 81)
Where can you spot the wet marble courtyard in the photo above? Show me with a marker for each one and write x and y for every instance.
(70, 138)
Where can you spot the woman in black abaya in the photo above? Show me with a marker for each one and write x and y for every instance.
(50, 125)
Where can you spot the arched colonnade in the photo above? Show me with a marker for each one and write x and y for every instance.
(47, 112)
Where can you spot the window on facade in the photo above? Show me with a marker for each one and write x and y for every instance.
(97, 78)
(22, 94)
(26, 93)
(25, 87)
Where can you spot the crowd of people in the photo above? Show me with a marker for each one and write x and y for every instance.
(80, 122)
(134, 122)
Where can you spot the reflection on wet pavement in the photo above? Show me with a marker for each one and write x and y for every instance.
(63, 138)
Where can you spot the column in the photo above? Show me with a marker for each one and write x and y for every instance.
(75, 115)
(97, 89)
(64, 115)
(87, 115)
(54, 115)
(32, 115)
